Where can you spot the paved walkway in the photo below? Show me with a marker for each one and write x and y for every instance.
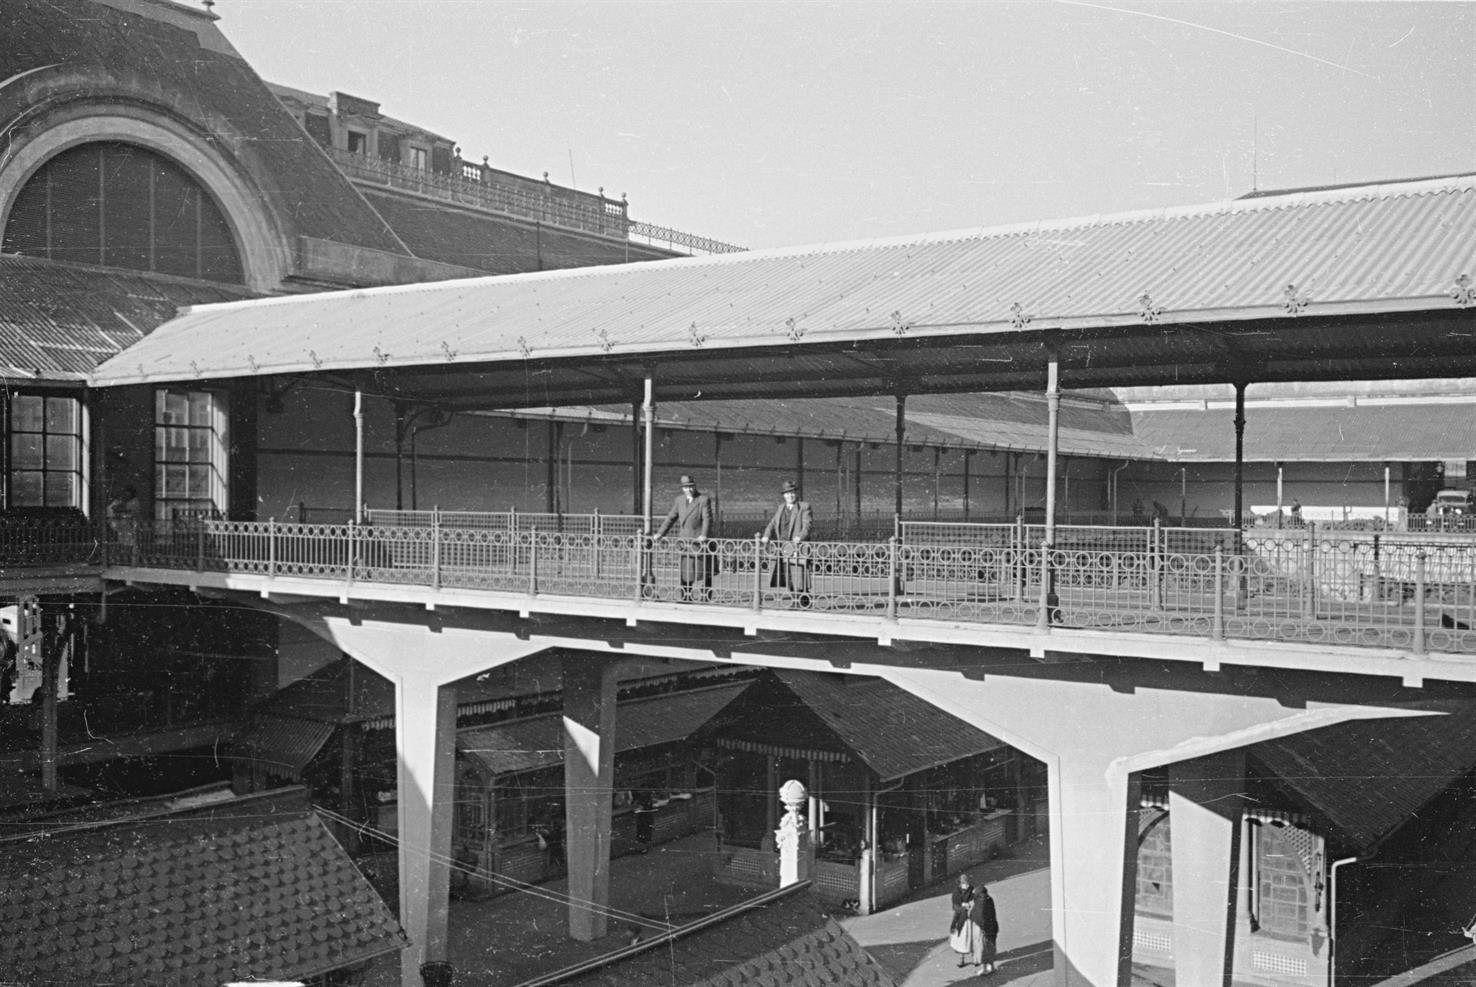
(502, 941)
(909, 939)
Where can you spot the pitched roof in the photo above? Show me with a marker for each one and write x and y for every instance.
(538, 741)
(252, 888)
(1123, 276)
(59, 321)
(1367, 777)
(891, 731)
(782, 939)
(1090, 425)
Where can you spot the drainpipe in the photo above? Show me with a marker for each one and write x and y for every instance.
(1332, 916)
(358, 456)
(1125, 464)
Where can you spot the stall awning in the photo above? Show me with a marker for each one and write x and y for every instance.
(283, 745)
(538, 742)
(781, 750)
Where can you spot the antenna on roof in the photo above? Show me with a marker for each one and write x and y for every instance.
(1255, 131)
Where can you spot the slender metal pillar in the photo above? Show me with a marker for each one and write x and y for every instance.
(648, 416)
(1053, 421)
(358, 456)
(636, 503)
(1053, 429)
(1239, 454)
(901, 430)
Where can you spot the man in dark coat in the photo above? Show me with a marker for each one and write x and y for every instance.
(983, 913)
(692, 515)
(790, 526)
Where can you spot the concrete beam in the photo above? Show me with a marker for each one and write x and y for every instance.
(589, 776)
(1206, 797)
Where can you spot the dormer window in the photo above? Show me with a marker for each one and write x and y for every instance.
(419, 158)
(358, 143)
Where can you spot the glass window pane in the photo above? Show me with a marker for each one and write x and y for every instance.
(200, 481)
(26, 413)
(175, 480)
(176, 445)
(61, 415)
(199, 445)
(61, 452)
(174, 408)
(59, 487)
(199, 408)
(25, 490)
(25, 452)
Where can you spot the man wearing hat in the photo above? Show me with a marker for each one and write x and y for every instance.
(692, 515)
(791, 526)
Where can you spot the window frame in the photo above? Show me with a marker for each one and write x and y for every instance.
(210, 454)
(78, 471)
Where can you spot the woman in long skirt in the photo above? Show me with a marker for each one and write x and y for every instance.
(987, 922)
(964, 935)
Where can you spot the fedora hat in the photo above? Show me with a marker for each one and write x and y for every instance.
(686, 481)
(788, 487)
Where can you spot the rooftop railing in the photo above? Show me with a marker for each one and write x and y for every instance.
(497, 191)
(1401, 591)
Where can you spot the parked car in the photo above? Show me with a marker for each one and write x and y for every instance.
(1452, 503)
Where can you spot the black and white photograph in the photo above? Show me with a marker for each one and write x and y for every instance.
(737, 493)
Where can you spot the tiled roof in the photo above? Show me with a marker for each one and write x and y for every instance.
(1325, 431)
(280, 744)
(1367, 777)
(538, 741)
(1221, 265)
(891, 731)
(781, 940)
(199, 78)
(254, 888)
(58, 321)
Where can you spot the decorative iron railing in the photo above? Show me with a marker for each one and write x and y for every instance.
(513, 195)
(1400, 591)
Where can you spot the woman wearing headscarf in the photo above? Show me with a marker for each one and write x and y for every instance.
(964, 934)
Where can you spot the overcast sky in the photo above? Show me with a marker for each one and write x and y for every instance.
(768, 124)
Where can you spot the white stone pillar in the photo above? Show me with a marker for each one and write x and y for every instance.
(1093, 871)
(589, 773)
(1205, 803)
(792, 839)
(425, 747)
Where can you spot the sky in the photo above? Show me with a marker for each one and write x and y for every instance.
(769, 124)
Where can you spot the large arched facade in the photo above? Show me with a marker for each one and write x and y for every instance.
(187, 162)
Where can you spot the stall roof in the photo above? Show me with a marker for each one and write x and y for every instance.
(888, 729)
(254, 887)
(538, 742)
(1303, 286)
(283, 744)
(1368, 777)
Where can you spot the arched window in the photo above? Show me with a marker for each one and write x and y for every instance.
(120, 205)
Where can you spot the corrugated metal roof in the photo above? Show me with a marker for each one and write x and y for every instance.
(1089, 427)
(1311, 432)
(1398, 247)
(538, 742)
(58, 322)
